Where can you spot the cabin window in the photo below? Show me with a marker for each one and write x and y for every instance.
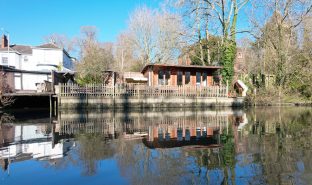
(187, 77)
(167, 77)
(163, 77)
(204, 80)
(198, 76)
(179, 78)
(161, 80)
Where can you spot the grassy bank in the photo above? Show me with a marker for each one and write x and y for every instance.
(272, 97)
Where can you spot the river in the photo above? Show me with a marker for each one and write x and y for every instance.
(266, 145)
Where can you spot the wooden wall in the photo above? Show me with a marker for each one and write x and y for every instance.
(174, 72)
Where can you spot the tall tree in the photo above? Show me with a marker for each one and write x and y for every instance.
(155, 35)
(226, 11)
(222, 14)
(123, 53)
(96, 57)
(279, 37)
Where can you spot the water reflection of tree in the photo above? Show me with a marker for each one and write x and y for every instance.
(284, 142)
(142, 165)
(221, 160)
(273, 143)
(92, 148)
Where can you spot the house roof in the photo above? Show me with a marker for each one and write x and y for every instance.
(20, 49)
(49, 46)
(181, 66)
(53, 46)
(6, 49)
(23, 49)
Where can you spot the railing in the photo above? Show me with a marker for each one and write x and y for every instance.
(136, 90)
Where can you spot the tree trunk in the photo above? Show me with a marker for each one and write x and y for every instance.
(199, 33)
(234, 22)
(207, 40)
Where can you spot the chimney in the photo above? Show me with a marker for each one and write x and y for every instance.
(4, 41)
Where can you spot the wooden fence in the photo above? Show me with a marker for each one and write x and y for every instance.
(135, 90)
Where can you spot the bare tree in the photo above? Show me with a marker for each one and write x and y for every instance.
(124, 54)
(155, 35)
(4, 88)
(195, 16)
(62, 41)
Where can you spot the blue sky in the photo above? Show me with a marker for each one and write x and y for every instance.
(28, 21)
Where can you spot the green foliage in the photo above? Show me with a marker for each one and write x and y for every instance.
(226, 53)
(283, 56)
(89, 79)
(227, 61)
(95, 61)
(59, 67)
(300, 78)
(213, 45)
(228, 150)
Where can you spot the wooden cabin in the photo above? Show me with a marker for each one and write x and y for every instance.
(175, 75)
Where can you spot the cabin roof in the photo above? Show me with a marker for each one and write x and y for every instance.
(181, 66)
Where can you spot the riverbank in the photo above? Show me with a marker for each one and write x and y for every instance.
(126, 102)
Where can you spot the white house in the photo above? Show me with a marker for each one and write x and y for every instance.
(33, 64)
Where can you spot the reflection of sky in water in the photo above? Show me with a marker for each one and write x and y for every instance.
(35, 173)
(259, 150)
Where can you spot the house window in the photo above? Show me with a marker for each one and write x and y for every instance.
(167, 77)
(25, 59)
(5, 61)
(204, 80)
(161, 80)
(179, 78)
(187, 77)
(198, 76)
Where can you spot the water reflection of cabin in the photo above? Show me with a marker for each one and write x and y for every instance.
(160, 137)
(173, 75)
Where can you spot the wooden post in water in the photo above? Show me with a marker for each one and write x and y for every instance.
(59, 95)
(55, 106)
(50, 101)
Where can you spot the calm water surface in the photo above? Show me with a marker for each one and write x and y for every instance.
(256, 146)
